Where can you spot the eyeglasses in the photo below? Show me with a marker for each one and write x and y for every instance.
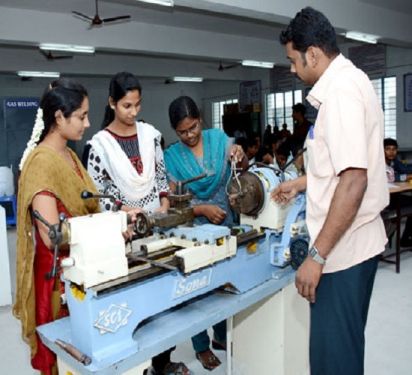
(191, 130)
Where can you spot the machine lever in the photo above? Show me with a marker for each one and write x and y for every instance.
(37, 215)
(74, 352)
(181, 184)
(88, 194)
(57, 241)
(56, 237)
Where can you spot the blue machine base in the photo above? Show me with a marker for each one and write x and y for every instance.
(167, 329)
(104, 322)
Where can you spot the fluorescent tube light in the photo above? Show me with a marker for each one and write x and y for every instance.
(258, 64)
(66, 48)
(362, 37)
(166, 3)
(26, 73)
(187, 79)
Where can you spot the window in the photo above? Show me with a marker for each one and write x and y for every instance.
(217, 112)
(279, 107)
(386, 90)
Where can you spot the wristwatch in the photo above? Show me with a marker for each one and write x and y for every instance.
(314, 253)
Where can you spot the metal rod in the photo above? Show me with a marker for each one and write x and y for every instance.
(74, 352)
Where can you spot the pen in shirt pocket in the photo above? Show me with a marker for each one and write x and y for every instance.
(311, 132)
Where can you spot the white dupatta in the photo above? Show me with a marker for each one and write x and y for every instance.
(118, 165)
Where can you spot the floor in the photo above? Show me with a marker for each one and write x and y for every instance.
(388, 333)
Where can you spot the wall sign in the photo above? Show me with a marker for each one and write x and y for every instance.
(250, 96)
(17, 116)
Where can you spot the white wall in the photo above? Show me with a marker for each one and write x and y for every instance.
(157, 95)
(156, 98)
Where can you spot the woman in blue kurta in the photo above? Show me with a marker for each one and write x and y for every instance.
(203, 151)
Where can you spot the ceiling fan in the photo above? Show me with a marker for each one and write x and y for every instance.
(225, 67)
(96, 20)
(49, 56)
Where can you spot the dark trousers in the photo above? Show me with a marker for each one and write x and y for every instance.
(338, 320)
(161, 360)
(201, 341)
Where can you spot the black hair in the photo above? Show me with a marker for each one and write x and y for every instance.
(252, 141)
(300, 108)
(120, 84)
(283, 149)
(181, 108)
(390, 142)
(63, 94)
(246, 142)
(255, 135)
(241, 141)
(310, 28)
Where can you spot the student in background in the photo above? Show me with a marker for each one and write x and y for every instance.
(267, 135)
(301, 125)
(299, 162)
(284, 133)
(402, 171)
(250, 147)
(398, 171)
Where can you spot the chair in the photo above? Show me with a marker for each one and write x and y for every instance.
(392, 218)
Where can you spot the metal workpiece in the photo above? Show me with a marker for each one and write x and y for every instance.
(179, 213)
(249, 195)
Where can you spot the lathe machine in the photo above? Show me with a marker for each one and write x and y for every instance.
(111, 289)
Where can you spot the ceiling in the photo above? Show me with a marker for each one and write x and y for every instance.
(188, 39)
(397, 5)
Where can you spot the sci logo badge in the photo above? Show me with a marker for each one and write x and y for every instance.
(191, 284)
(113, 318)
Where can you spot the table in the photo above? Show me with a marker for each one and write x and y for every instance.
(273, 307)
(395, 190)
(399, 187)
